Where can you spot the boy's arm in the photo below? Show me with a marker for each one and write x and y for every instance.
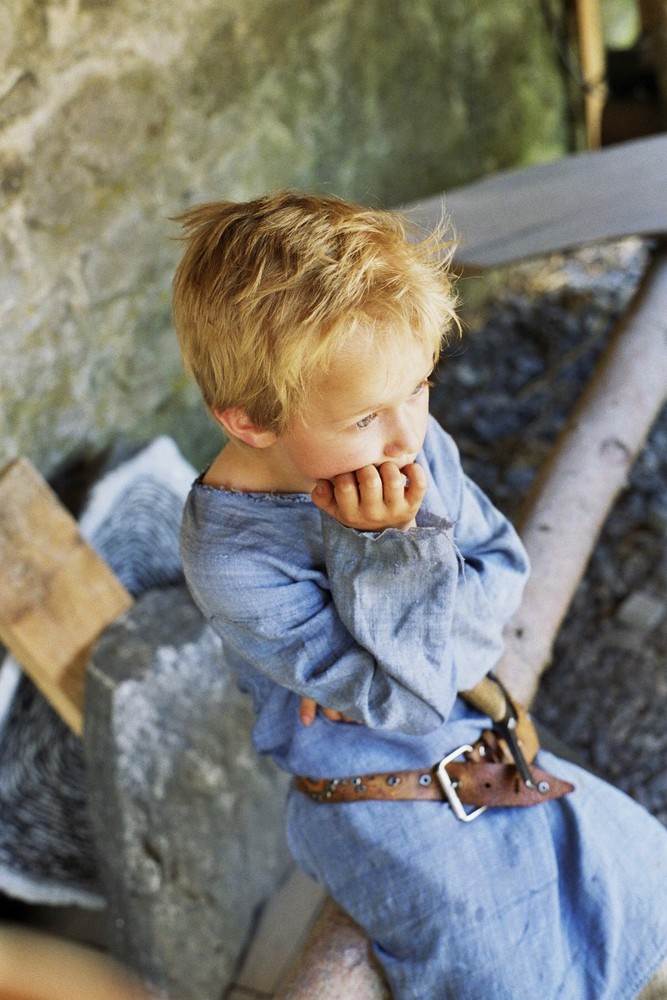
(494, 563)
(492, 568)
(287, 622)
(392, 625)
(369, 499)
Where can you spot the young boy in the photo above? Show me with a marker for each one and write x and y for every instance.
(359, 581)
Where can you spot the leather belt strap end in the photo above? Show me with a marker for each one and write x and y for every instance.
(487, 777)
(476, 785)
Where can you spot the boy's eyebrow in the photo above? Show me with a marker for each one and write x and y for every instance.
(378, 406)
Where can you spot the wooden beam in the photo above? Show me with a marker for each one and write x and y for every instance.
(56, 594)
(336, 964)
(583, 475)
(586, 198)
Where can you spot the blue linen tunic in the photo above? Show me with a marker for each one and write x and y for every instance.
(562, 900)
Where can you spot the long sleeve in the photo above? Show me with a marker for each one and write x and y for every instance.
(494, 565)
(377, 656)
(384, 627)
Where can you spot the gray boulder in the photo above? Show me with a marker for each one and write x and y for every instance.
(188, 820)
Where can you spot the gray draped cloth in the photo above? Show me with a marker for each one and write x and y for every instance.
(132, 518)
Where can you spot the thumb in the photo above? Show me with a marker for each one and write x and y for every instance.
(416, 488)
(307, 711)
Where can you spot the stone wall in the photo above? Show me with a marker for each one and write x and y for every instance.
(116, 114)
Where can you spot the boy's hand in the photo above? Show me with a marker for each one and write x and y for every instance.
(308, 710)
(371, 498)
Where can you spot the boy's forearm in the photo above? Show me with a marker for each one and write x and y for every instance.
(395, 595)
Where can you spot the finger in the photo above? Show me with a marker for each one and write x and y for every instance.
(335, 716)
(332, 714)
(416, 487)
(307, 711)
(393, 483)
(323, 496)
(371, 490)
(346, 493)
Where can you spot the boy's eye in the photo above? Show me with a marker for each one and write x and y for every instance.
(365, 421)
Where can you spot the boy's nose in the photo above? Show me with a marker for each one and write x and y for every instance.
(404, 440)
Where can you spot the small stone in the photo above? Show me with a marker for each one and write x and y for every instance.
(468, 375)
(622, 637)
(641, 612)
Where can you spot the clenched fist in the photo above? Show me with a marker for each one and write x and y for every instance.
(372, 498)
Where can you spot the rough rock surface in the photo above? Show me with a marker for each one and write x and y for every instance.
(188, 820)
(117, 114)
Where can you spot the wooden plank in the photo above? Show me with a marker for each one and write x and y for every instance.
(56, 594)
(336, 964)
(41, 967)
(585, 198)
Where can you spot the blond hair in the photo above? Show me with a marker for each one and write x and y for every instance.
(268, 291)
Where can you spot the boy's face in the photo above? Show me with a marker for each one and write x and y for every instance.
(371, 408)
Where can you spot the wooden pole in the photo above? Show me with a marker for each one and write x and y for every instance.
(593, 67)
(336, 964)
(583, 475)
(559, 525)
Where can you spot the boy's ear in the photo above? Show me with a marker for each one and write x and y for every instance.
(238, 425)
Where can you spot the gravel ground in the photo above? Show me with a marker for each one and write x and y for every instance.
(530, 346)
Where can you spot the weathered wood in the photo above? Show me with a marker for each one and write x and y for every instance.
(593, 66)
(56, 594)
(584, 473)
(586, 198)
(40, 967)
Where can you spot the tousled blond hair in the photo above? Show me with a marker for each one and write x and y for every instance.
(269, 291)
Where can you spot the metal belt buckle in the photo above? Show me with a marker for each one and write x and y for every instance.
(449, 787)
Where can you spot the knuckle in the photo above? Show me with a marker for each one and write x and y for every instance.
(346, 486)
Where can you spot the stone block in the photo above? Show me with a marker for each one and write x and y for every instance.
(188, 819)
(641, 612)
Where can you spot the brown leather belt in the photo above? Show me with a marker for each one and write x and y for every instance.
(487, 776)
